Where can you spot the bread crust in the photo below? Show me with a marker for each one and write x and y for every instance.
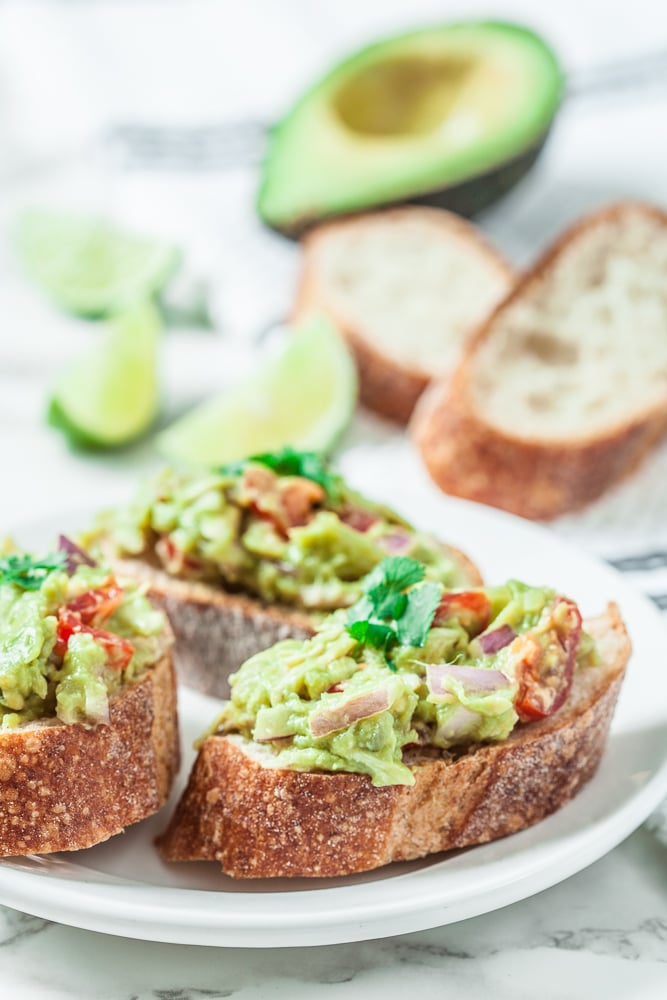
(386, 386)
(67, 787)
(468, 457)
(216, 630)
(261, 821)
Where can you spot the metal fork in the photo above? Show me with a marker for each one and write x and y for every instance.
(228, 145)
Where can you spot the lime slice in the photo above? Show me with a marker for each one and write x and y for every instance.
(304, 397)
(109, 396)
(90, 268)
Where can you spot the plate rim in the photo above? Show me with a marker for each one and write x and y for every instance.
(130, 911)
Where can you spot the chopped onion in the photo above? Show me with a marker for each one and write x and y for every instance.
(460, 723)
(475, 680)
(75, 556)
(395, 542)
(362, 706)
(497, 639)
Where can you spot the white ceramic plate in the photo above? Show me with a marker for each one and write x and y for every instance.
(122, 887)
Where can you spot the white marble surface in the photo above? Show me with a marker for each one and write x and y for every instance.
(600, 933)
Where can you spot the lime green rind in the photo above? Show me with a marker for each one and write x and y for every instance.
(109, 397)
(325, 171)
(88, 267)
(303, 398)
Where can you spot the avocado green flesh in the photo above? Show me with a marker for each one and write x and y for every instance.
(36, 682)
(279, 696)
(208, 527)
(408, 117)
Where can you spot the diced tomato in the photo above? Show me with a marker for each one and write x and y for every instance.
(175, 560)
(470, 608)
(360, 520)
(298, 497)
(546, 660)
(96, 605)
(119, 651)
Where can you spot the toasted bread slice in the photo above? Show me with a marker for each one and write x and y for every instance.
(217, 630)
(66, 787)
(563, 390)
(406, 287)
(262, 821)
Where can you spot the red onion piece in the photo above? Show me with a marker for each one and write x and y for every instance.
(497, 639)
(396, 542)
(75, 556)
(362, 706)
(460, 723)
(475, 680)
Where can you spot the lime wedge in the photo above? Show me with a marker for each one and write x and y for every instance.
(109, 396)
(90, 268)
(303, 397)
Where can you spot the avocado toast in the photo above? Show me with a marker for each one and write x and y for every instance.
(418, 721)
(257, 552)
(88, 725)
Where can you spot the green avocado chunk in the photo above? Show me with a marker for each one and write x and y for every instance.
(68, 641)
(455, 113)
(304, 540)
(338, 702)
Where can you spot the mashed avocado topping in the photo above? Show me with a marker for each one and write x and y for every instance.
(280, 526)
(477, 663)
(70, 636)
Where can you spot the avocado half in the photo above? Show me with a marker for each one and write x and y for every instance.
(453, 115)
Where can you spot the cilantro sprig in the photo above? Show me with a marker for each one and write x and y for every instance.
(28, 573)
(393, 609)
(290, 462)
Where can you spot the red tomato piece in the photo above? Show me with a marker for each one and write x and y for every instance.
(119, 651)
(298, 497)
(97, 605)
(470, 608)
(360, 520)
(546, 661)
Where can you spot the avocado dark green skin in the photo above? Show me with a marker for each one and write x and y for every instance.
(471, 196)
(467, 198)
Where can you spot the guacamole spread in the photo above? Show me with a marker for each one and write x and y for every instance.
(358, 695)
(282, 527)
(70, 636)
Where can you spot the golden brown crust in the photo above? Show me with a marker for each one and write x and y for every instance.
(468, 457)
(386, 386)
(259, 821)
(67, 787)
(216, 631)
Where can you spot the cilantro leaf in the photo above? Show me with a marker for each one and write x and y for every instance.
(392, 604)
(372, 634)
(422, 603)
(290, 462)
(394, 573)
(28, 573)
(388, 604)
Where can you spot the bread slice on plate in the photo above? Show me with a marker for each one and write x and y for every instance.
(92, 746)
(563, 391)
(259, 819)
(406, 287)
(278, 569)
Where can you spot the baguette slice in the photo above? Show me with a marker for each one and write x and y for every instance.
(216, 630)
(67, 787)
(262, 821)
(405, 287)
(563, 390)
